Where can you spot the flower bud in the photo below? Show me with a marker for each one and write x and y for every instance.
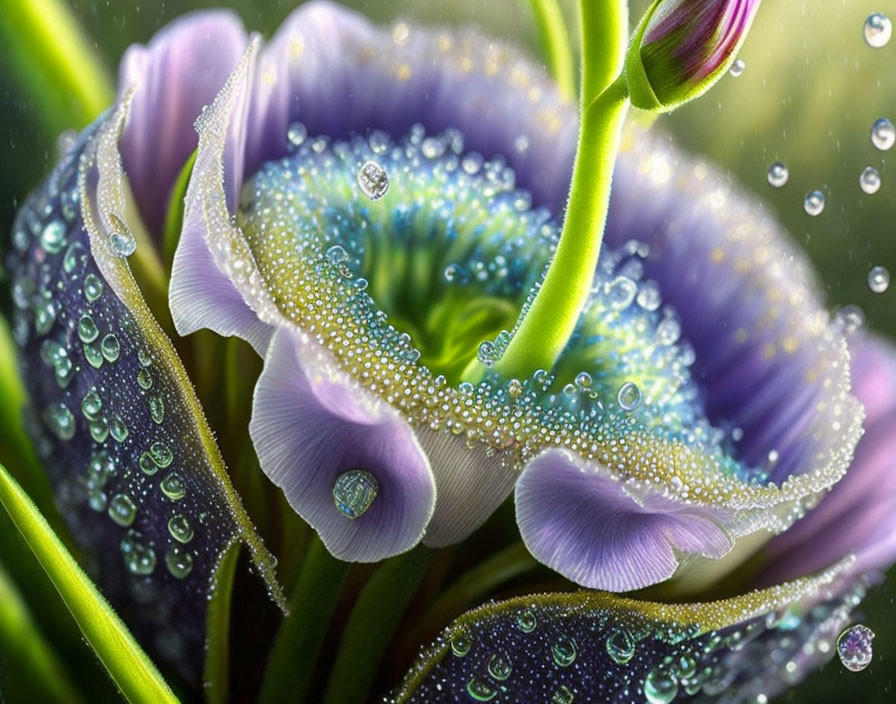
(682, 47)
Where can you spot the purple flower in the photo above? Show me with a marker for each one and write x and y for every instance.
(683, 46)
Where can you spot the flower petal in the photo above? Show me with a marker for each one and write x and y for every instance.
(311, 424)
(585, 525)
(178, 73)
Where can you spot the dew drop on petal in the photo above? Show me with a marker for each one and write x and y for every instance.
(373, 180)
(878, 30)
(737, 68)
(854, 647)
(123, 243)
(660, 686)
(778, 174)
(870, 180)
(813, 203)
(878, 279)
(883, 134)
(629, 396)
(354, 491)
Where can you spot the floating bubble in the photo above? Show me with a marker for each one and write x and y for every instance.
(629, 396)
(869, 181)
(878, 279)
(813, 203)
(296, 134)
(878, 30)
(854, 647)
(737, 68)
(778, 174)
(354, 492)
(883, 134)
(373, 180)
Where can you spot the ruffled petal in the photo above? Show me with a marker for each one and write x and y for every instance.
(178, 73)
(585, 525)
(310, 425)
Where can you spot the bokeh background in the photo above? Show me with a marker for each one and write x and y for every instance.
(811, 90)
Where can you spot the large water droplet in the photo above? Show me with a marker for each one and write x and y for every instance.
(620, 646)
(621, 292)
(778, 174)
(354, 492)
(87, 329)
(883, 134)
(52, 237)
(878, 30)
(527, 621)
(180, 528)
(91, 404)
(737, 68)
(60, 421)
(660, 686)
(138, 558)
(813, 203)
(296, 134)
(179, 561)
(629, 396)
(878, 279)
(122, 510)
(373, 180)
(172, 486)
(110, 347)
(93, 287)
(854, 647)
(460, 644)
(121, 240)
(499, 666)
(562, 695)
(869, 181)
(480, 690)
(564, 652)
(161, 454)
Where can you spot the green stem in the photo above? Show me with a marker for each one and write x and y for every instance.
(293, 657)
(56, 63)
(604, 41)
(555, 44)
(369, 630)
(552, 317)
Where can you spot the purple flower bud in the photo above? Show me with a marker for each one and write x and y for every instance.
(682, 47)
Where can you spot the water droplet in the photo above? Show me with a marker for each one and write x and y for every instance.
(44, 317)
(629, 396)
(122, 241)
(562, 695)
(157, 409)
(172, 486)
(144, 379)
(75, 258)
(138, 558)
(660, 686)
(854, 647)
(583, 380)
(486, 353)
(621, 292)
(91, 404)
(878, 279)
(564, 652)
(400, 32)
(93, 287)
(179, 561)
(122, 510)
(453, 272)
(481, 690)
(93, 355)
(499, 666)
(878, 30)
(180, 528)
(373, 180)
(110, 348)
(60, 421)
(813, 203)
(778, 174)
(52, 237)
(737, 68)
(146, 464)
(119, 430)
(296, 134)
(99, 431)
(336, 254)
(460, 644)
(527, 621)
(360, 284)
(869, 181)
(354, 492)
(620, 646)
(161, 454)
(883, 134)
(87, 329)
(96, 500)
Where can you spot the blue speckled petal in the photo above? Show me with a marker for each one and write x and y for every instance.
(136, 472)
(597, 647)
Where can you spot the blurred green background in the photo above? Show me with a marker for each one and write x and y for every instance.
(811, 90)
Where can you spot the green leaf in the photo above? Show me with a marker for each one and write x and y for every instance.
(217, 634)
(39, 673)
(127, 664)
(297, 646)
(369, 630)
(55, 62)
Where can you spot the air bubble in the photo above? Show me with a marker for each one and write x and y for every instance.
(878, 279)
(778, 174)
(878, 30)
(629, 396)
(883, 134)
(854, 647)
(869, 181)
(354, 491)
(813, 203)
(737, 68)
(373, 180)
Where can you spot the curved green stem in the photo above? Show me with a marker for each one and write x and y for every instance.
(604, 40)
(552, 317)
(555, 44)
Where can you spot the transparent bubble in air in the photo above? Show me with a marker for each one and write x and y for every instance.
(870, 180)
(813, 203)
(877, 30)
(883, 134)
(778, 174)
(737, 68)
(878, 279)
(373, 180)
